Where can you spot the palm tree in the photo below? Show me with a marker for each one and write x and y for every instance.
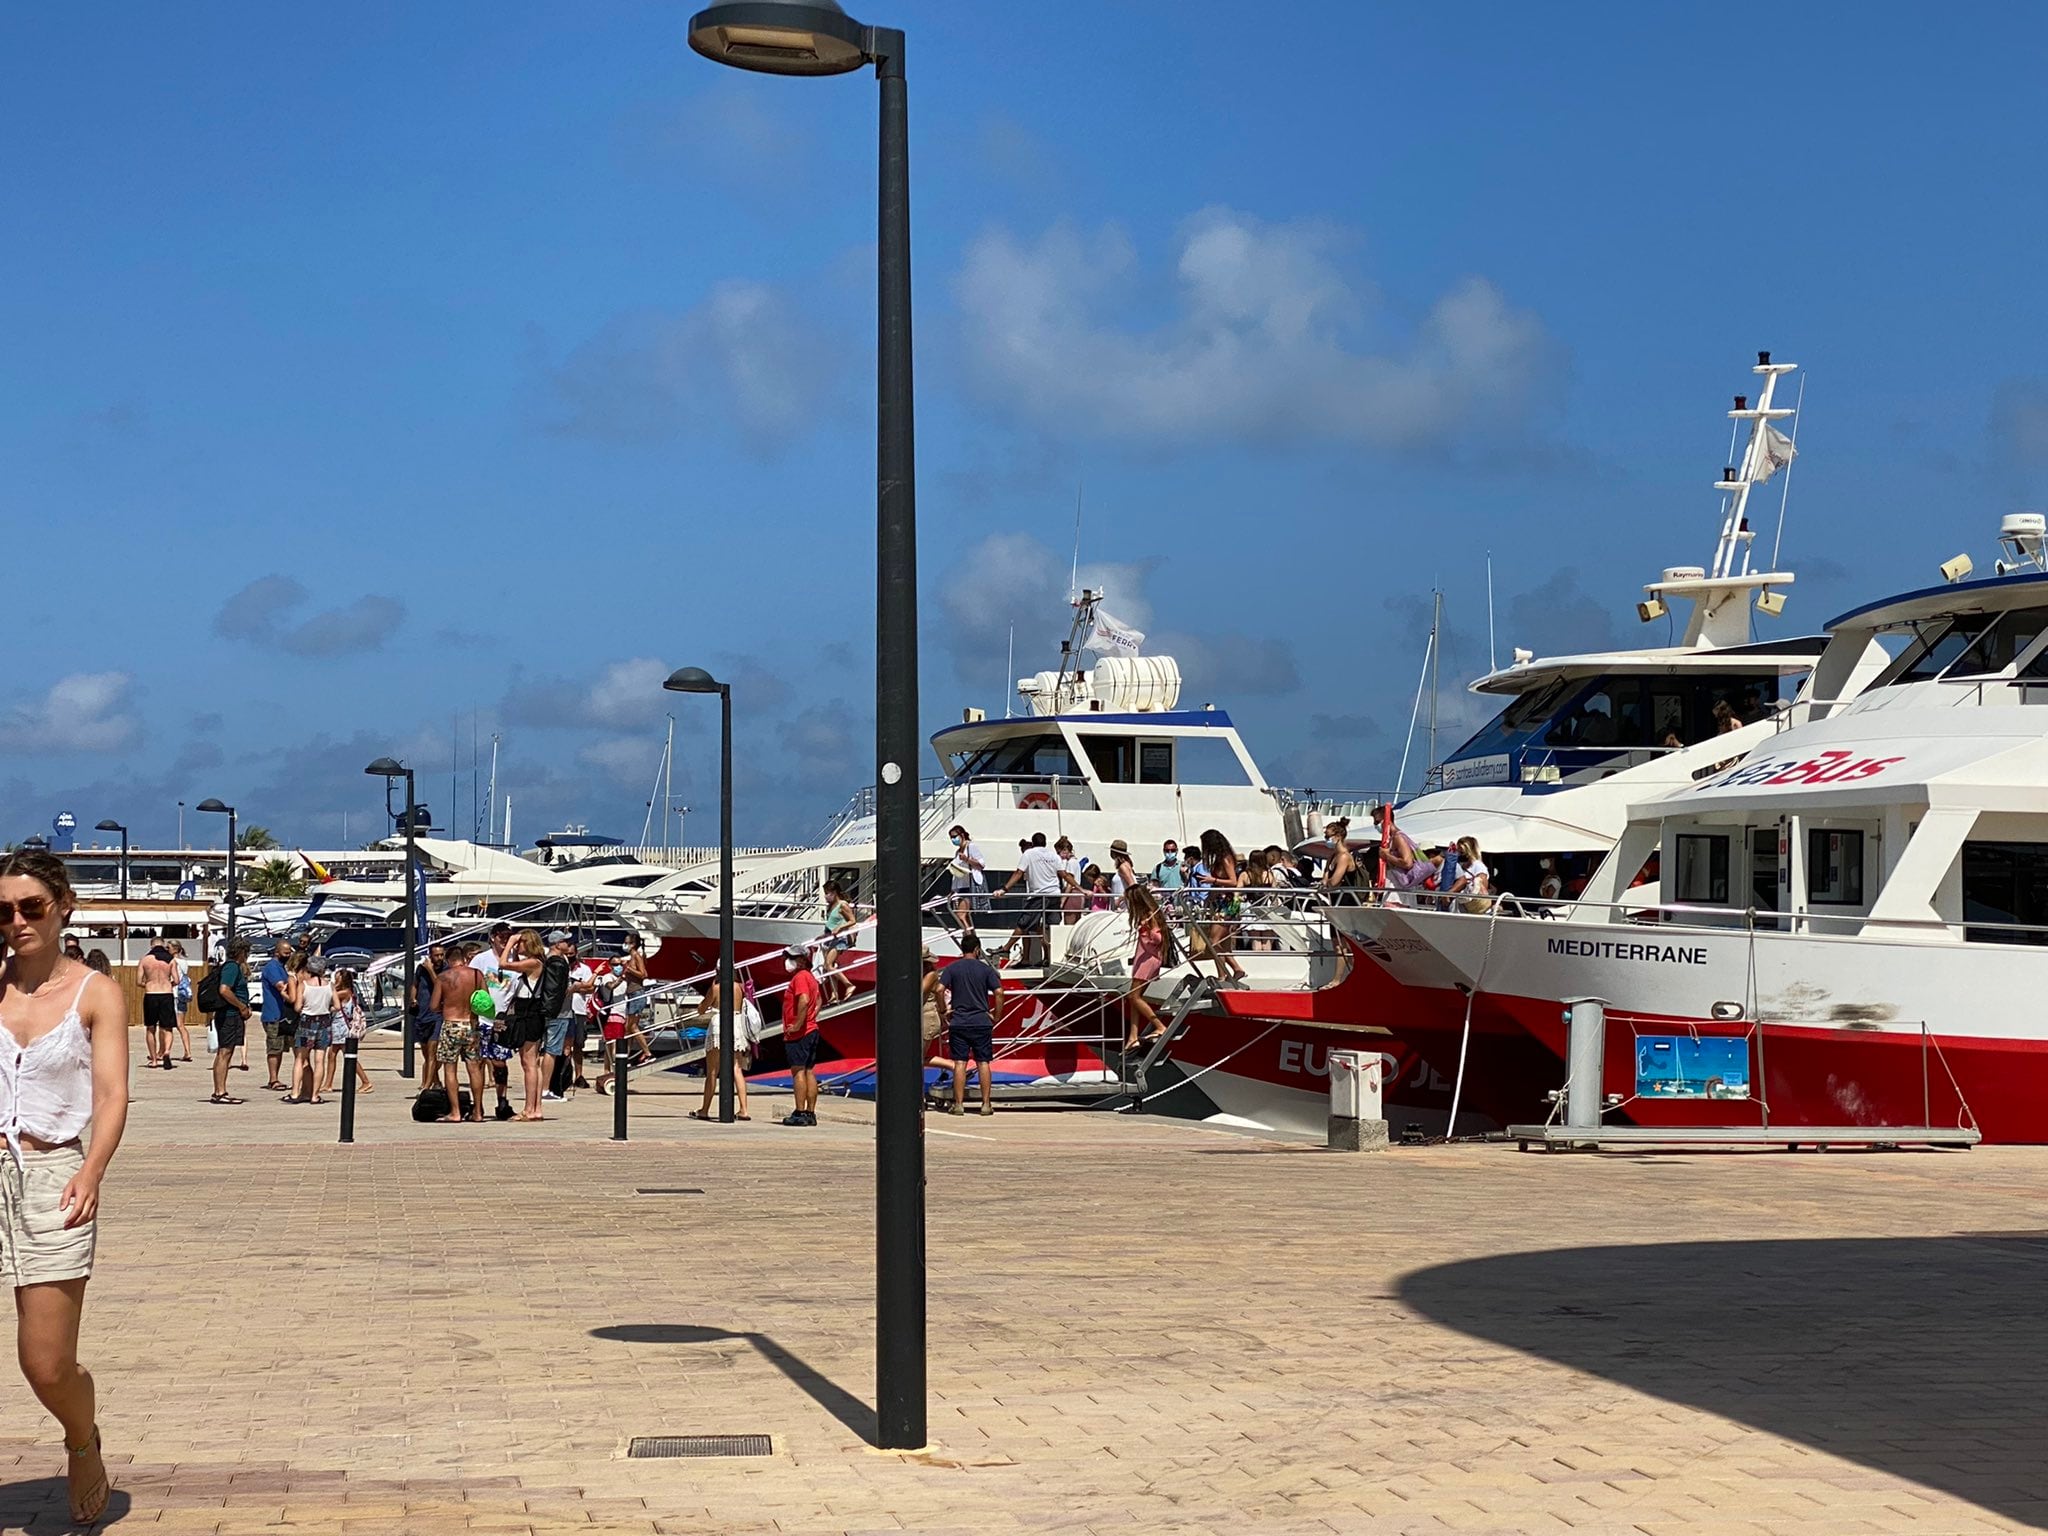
(276, 878)
(256, 838)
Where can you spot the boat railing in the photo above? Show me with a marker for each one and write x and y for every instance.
(956, 799)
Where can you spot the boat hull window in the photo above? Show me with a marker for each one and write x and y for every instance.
(1834, 867)
(2005, 884)
(1702, 872)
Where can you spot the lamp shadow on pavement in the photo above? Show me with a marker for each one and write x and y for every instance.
(822, 1389)
(44, 1504)
(1920, 1357)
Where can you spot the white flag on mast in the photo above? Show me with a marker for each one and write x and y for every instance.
(1773, 452)
(1112, 637)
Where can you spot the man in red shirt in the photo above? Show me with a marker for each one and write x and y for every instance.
(800, 1034)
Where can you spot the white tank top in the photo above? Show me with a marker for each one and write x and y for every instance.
(46, 1087)
(317, 1001)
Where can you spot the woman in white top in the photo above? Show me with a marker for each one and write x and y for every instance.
(1473, 890)
(63, 1068)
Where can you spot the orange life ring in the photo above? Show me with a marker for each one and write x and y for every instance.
(1038, 800)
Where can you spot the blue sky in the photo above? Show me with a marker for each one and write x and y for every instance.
(373, 367)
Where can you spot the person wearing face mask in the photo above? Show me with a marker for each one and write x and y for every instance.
(970, 878)
(800, 1005)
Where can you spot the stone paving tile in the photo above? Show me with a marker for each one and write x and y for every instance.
(1136, 1325)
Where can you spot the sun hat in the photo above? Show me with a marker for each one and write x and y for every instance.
(1119, 846)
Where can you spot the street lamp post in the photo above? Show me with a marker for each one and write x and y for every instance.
(387, 769)
(815, 37)
(228, 811)
(697, 680)
(111, 825)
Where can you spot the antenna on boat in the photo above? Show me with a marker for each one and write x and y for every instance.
(1010, 672)
(491, 795)
(1436, 620)
(1785, 490)
(1492, 664)
(1074, 574)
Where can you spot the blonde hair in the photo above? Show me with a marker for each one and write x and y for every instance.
(1468, 848)
(526, 945)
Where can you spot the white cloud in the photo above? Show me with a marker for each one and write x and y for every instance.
(625, 693)
(85, 712)
(1272, 339)
(749, 355)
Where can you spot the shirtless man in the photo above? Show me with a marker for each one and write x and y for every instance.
(159, 978)
(453, 987)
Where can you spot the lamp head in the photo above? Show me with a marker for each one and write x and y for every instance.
(383, 768)
(215, 806)
(781, 37)
(110, 825)
(692, 680)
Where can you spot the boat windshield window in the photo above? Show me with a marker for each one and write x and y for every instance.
(2002, 644)
(1021, 757)
(1209, 760)
(1936, 644)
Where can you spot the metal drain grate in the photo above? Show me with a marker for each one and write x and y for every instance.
(643, 1446)
(668, 1191)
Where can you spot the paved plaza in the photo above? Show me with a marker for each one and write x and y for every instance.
(1137, 1325)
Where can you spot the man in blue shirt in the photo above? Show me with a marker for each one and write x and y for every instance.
(278, 1024)
(1167, 875)
(974, 1005)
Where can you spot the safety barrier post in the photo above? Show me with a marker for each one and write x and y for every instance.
(1356, 1124)
(622, 1061)
(1585, 1062)
(348, 1091)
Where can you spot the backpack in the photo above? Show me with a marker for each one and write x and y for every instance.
(554, 986)
(208, 995)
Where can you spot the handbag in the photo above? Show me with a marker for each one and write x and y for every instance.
(212, 1036)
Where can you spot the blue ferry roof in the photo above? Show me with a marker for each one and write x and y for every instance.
(1988, 594)
(1158, 720)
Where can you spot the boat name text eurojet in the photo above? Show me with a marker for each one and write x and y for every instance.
(1833, 767)
(1617, 949)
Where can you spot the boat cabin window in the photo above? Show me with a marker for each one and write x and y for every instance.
(1658, 711)
(1834, 867)
(1127, 760)
(1036, 757)
(1763, 869)
(1701, 874)
(2005, 884)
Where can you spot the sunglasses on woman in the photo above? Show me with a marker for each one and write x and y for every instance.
(33, 909)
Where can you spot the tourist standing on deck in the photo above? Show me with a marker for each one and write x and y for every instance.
(49, 1220)
(1167, 874)
(974, 1006)
(1123, 873)
(277, 1010)
(1073, 881)
(158, 977)
(231, 1018)
(800, 1004)
(1039, 869)
(1338, 871)
(969, 871)
(840, 920)
(1220, 876)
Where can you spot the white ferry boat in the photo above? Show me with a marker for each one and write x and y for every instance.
(1851, 923)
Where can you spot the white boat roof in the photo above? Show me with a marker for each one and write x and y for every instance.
(1995, 759)
(1766, 658)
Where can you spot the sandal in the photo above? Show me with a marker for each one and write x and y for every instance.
(698, 1114)
(226, 1098)
(288, 1099)
(88, 1510)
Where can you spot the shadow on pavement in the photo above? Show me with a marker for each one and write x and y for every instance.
(44, 1504)
(1921, 1357)
(825, 1392)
